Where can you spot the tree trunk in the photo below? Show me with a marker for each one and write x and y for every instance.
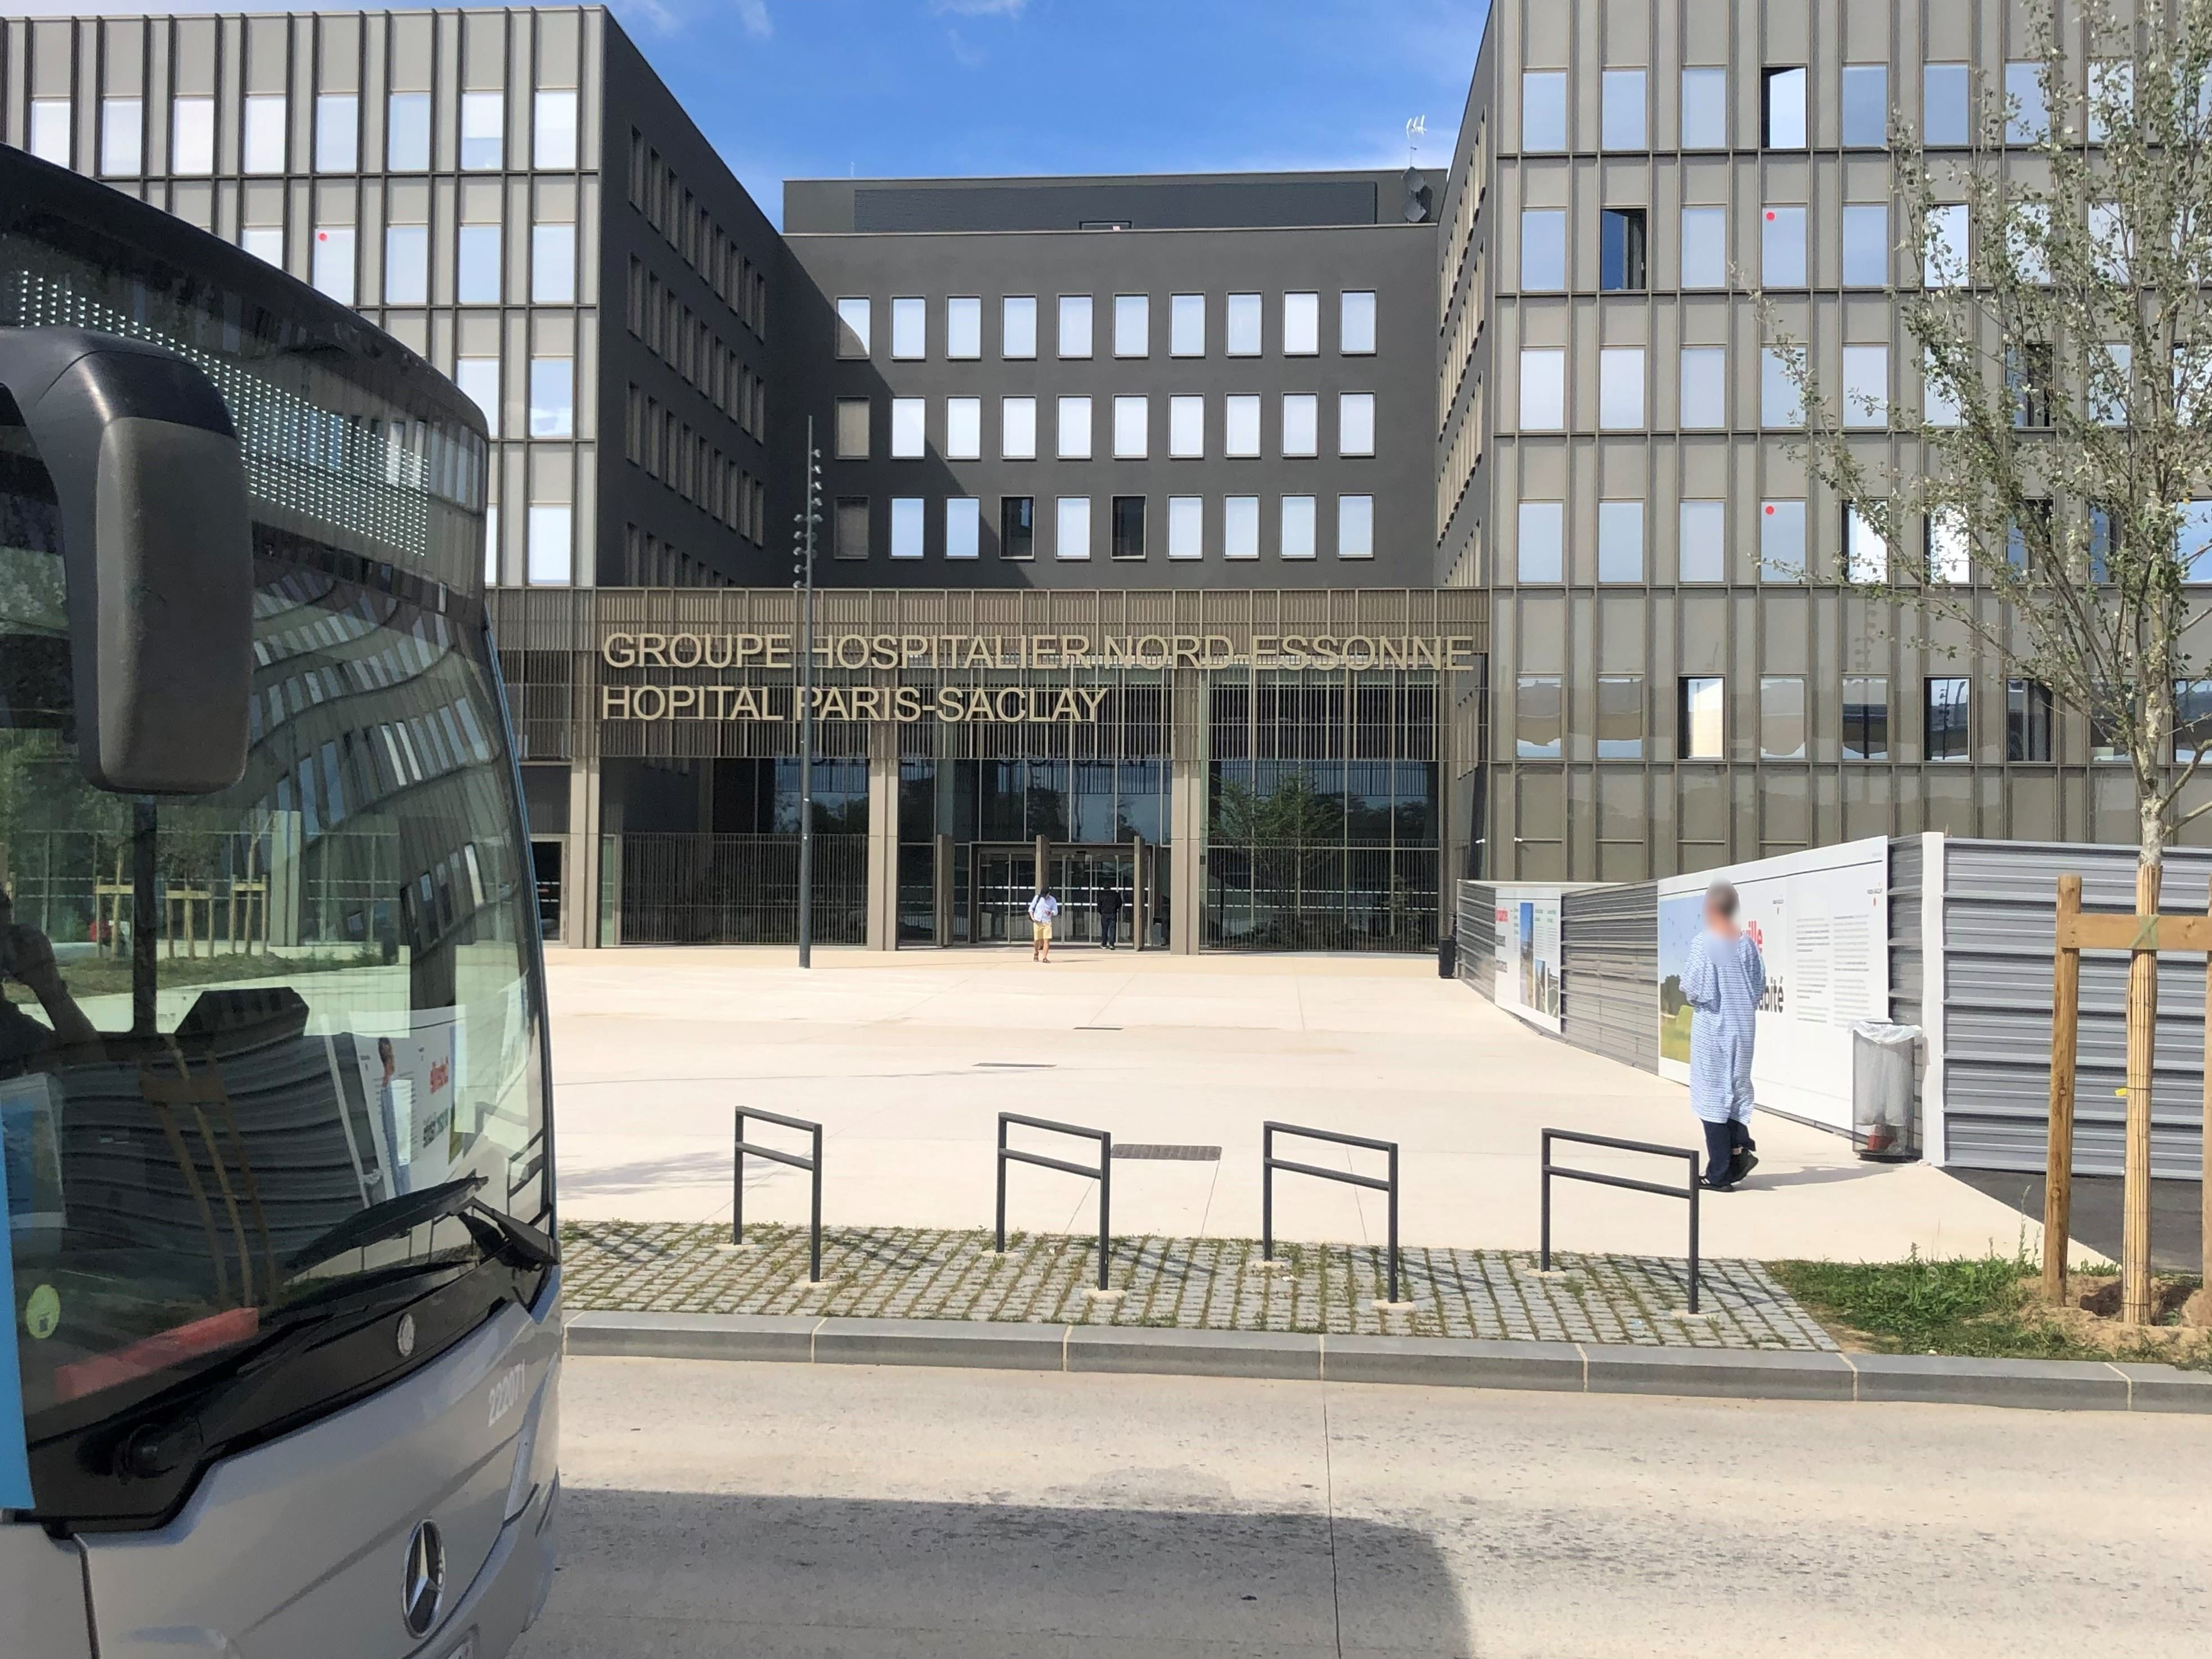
(2143, 1035)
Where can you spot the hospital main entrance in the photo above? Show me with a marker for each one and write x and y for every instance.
(1004, 880)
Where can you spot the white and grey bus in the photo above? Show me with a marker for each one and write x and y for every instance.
(278, 1377)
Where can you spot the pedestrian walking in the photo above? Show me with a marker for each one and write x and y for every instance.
(1109, 914)
(1042, 908)
(1723, 981)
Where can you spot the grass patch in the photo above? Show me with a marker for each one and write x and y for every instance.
(1981, 1307)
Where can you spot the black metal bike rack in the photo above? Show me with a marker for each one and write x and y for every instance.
(1103, 1174)
(811, 1164)
(1269, 1163)
(1690, 1191)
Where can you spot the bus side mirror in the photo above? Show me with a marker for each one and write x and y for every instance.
(158, 547)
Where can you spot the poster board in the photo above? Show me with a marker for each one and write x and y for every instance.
(1529, 951)
(1821, 919)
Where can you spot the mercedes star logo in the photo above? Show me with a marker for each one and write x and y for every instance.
(422, 1585)
(403, 1335)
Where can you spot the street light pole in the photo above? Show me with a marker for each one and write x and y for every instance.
(803, 584)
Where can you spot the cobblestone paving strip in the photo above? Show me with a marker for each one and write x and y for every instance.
(1186, 1284)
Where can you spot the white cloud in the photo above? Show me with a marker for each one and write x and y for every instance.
(753, 14)
(980, 8)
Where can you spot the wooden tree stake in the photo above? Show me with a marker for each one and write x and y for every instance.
(2065, 1039)
(2142, 1036)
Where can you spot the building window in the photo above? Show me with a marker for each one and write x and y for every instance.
(1186, 527)
(964, 429)
(1297, 528)
(1244, 326)
(1947, 735)
(1132, 427)
(1782, 109)
(1778, 404)
(2111, 87)
(483, 135)
(850, 538)
(1866, 717)
(1071, 531)
(1866, 386)
(264, 242)
(852, 429)
(910, 329)
(1356, 323)
(1186, 427)
(1703, 554)
(1016, 526)
(1621, 120)
(406, 265)
(2028, 376)
(1129, 527)
(553, 265)
(1866, 106)
(2026, 120)
(49, 133)
(550, 552)
(1950, 553)
(1705, 109)
(262, 149)
(192, 136)
(1937, 407)
(1946, 92)
(122, 137)
(1621, 541)
(1355, 526)
(1240, 526)
(479, 380)
(1240, 424)
(1782, 717)
(964, 527)
(1301, 324)
(909, 429)
(1543, 249)
(1866, 555)
(907, 526)
(1620, 388)
(337, 133)
(1355, 423)
(1782, 247)
(1537, 717)
(1702, 727)
(1944, 246)
(1543, 389)
(1074, 325)
(1301, 425)
(407, 133)
(964, 328)
(1133, 325)
(2192, 718)
(1620, 717)
(1018, 429)
(1866, 245)
(2192, 540)
(1704, 388)
(552, 397)
(332, 266)
(1017, 326)
(852, 327)
(2027, 720)
(1074, 429)
(476, 260)
(1782, 541)
(1705, 247)
(1620, 250)
(1541, 542)
(1187, 325)
(491, 546)
(1543, 110)
(553, 131)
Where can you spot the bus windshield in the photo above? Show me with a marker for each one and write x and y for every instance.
(271, 1056)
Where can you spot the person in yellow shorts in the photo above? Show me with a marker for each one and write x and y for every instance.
(1042, 908)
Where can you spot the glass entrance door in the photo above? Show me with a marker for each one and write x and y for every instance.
(1005, 881)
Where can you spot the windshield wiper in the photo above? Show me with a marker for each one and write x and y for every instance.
(497, 1234)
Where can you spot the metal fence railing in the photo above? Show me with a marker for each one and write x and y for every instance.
(1320, 897)
(811, 1163)
(739, 890)
(1688, 1191)
(1103, 1174)
(1269, 1163)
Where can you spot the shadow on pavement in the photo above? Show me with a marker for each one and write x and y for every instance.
(689, 1575)
(2177, 1213)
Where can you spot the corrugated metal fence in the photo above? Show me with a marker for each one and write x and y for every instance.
(1477, 936)
(1609, 972)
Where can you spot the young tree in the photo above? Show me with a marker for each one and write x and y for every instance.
(2041, 503)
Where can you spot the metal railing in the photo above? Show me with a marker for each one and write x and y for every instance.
(1103, 1174)
(739, 890)
(811, 1164)
(1550, 1169)
(1269, 1163)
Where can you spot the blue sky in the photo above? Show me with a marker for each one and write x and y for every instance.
(813, 89)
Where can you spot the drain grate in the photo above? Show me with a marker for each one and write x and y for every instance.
(1157, 1152)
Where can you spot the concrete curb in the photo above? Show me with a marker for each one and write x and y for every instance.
(1445, 1362)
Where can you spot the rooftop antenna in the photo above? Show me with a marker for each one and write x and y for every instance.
(1416, 129)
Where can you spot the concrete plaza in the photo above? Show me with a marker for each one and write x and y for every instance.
(907, 1058)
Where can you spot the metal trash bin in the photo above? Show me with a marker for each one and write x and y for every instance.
(1884, 1063)
(1447, 956)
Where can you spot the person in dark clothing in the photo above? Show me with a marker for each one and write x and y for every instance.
(1109, 914)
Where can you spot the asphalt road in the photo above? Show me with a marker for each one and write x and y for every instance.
(779, 1512)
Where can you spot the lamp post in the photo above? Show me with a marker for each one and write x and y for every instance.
(802, 582)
